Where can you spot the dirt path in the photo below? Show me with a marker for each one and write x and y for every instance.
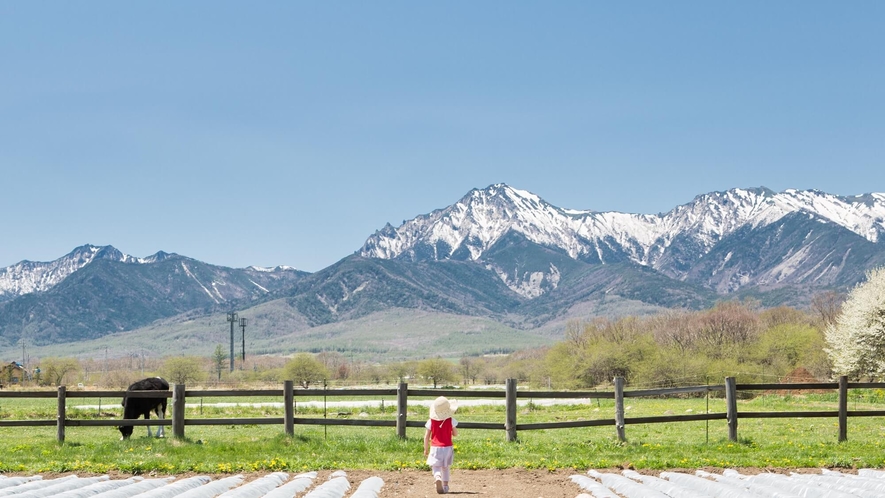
(508, 483)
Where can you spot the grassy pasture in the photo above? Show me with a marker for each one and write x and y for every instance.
(789, 442)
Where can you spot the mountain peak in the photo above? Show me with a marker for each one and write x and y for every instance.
(505, 193)
(28, 277)
(466, 229)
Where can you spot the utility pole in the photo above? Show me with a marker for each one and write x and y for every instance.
(24, 363)
(232, 318)
(243, 326)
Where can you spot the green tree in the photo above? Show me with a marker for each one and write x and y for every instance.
(184, 369)
(783, 348)
(218, 359)
(438, 370)
(401, 370)
(56, 370)
(856, 341)
(305, 370)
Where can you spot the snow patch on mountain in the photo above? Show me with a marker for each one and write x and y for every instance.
(194, 277)
(256, 284)
(271, 269)
(528, 284)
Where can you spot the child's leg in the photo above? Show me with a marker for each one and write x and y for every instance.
(445, 473)
(437, 476)
(437, 472)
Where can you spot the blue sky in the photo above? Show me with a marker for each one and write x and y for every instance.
(273, 133)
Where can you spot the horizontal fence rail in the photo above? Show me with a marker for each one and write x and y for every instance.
(290, 395)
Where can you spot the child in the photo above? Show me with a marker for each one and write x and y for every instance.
(441, 428)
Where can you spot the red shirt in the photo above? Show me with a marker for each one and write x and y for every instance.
(441, 432)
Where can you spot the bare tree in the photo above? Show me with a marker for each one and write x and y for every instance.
(469, 368)
(728, 323)
(677, 328)
(827, 305)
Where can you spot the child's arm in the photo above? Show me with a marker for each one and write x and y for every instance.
(454, 431)
(426, 441)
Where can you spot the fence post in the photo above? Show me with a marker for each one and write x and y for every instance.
(402, 409)
(178, 411)
(843, 408)
(619, 409)
(731, 410)
(60, 418)
(510, 403)
(289, 406)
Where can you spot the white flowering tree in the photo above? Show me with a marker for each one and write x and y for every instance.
(856, 340)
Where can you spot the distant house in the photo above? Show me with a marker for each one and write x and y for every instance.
(12, 373)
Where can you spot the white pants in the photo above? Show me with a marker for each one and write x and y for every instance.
(440, 460)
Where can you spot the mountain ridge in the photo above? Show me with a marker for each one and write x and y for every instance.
(671, 242)
(499, 254)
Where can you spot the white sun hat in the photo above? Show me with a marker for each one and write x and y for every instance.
(442, 408)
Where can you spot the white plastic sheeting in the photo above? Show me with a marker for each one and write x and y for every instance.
(259, 487)
(33, 485)
(8, 482)
(213, 489)
(858, 485)
(801, 487)
(596, 489)
(669, 488)
(732, 484)
(369, 488)
(98, 488)
(712, 488)
(292, 488)
(176, 488)
(625, 487)
(755, 488)
(61, 487)
(609, 484)
(333, 488)
(136, 488)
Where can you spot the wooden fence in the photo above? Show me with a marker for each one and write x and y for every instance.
(510, 394)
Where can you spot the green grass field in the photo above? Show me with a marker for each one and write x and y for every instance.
(790, 442)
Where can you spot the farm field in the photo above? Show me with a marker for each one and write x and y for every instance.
(228, 449)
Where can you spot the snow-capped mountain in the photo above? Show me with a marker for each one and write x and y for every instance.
(94, 291)
(672, 243)
(499, 253)
(28, 277)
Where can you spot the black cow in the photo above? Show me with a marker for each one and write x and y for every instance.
(134, 407)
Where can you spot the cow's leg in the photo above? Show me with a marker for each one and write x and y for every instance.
(161, 428)
(147, 416)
